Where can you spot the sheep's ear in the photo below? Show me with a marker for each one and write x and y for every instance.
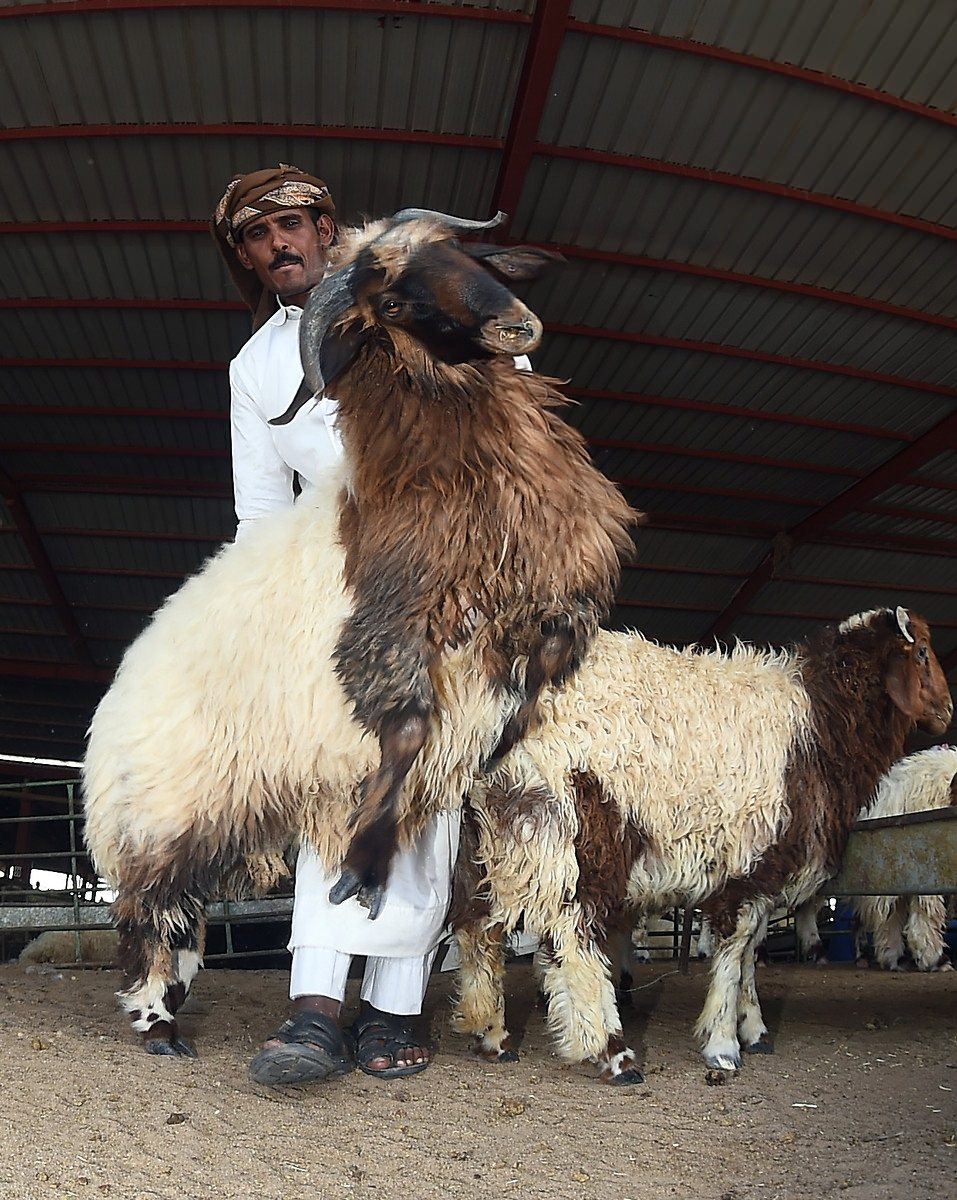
(903, 622)
(513, 262)
(902, 684)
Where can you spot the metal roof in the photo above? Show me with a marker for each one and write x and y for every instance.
(756, 318)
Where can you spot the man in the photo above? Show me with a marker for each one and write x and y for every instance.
(274, 228)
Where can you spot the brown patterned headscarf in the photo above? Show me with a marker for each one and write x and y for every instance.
(248, 197)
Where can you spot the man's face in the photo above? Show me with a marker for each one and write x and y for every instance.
(288, 251)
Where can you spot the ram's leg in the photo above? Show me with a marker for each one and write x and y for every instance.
(365, 868)
(924, 933)
(480, 1009)
(752, 1031)
(716, 1028)
(548, 662)
(160, 951)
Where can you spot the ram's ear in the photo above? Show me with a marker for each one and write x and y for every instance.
(513, 263)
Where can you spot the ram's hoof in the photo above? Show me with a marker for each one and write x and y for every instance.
(171, 1047)
(348, 884)
(372, 898)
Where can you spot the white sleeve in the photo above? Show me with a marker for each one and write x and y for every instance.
(262, 481)
(523, 362)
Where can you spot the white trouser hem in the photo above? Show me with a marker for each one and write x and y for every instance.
(393, 985)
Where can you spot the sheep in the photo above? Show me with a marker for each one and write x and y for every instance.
(898, 924)
(59, 946)
(661, 777)
(417, 602)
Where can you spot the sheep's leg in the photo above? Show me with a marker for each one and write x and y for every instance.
(160, 951)
(582, 1012)
(752, 1031)
(924, 935)
(888, 932)
(548, 662)
(705, 939)
(805, 929)
(480, 1008)
(716, 1028)
(365, 868)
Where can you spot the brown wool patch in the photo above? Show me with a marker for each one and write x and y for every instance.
(606, 848)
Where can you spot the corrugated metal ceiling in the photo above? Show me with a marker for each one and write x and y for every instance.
(757, 315)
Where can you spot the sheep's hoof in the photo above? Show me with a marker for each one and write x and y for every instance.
(171, 1047)
(722, 1062)
(625, 1078)
(763, 1045)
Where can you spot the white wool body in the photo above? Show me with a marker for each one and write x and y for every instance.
(226, 719)
(694, 748)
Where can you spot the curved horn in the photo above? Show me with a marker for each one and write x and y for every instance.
(326, 302)
(903, 622)
(325, 305)
(463, 223)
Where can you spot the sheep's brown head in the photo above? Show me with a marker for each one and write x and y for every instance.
(913, 676)
(408, 283)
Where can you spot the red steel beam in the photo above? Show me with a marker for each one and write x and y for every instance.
(583, 253)
(785, 360)
(395, 8)
(739, 59)
(929, 445)
(131, 451)
(131, 485)
(757, 531)
(636, 162)
(544, 44)
(357, 133)
(36, 551)
(730, 410)
(548, 150)
(503, 16)
(638, 398)
(589, 331)
(788, 286)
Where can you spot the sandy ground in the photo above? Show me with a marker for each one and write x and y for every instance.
(860, 1100)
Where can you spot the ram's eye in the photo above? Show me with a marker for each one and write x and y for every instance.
(389, 306)
(922, 653)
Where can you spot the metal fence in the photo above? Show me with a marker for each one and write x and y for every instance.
(41, 833)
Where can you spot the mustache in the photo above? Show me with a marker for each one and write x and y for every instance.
(284, 258)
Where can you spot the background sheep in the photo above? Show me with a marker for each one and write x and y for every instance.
(98, 946)
(661, 777)
(898, 924)
(396, 621)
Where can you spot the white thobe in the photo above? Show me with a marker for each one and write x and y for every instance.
(400, 944)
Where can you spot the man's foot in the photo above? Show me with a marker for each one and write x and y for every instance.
(310, 1045)
(386, 1045)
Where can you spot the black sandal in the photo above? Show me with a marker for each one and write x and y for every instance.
(313, 1047)
(382, 1035)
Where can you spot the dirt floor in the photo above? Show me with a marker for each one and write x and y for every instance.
(860, 1100)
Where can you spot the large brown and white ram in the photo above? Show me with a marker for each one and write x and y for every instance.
(661, 777)
(344, 670)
